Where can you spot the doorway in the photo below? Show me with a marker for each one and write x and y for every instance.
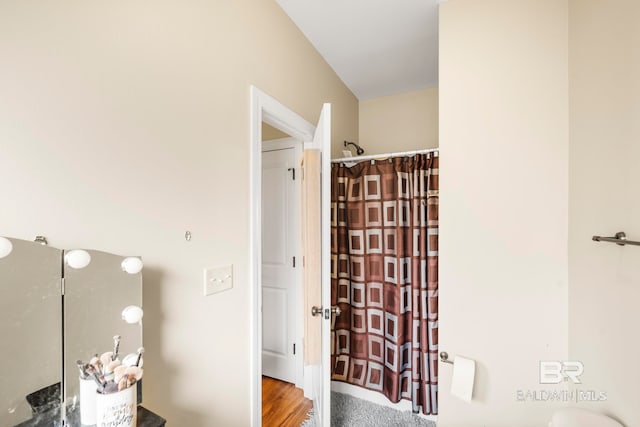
(283, 401)
(281, 282)
(314, 140)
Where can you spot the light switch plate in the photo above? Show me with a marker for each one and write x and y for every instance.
(218, 279)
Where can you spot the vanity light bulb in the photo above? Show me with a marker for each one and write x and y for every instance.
(132, 314)
(5, 247)
(132, 265)
(77, 258)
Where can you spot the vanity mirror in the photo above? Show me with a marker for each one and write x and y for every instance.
(57, 307)
(94, 299)
(31, 327)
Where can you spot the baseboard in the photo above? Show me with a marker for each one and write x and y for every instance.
(307, 387)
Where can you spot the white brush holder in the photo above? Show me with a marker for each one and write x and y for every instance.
(117, 409)
(88, 401)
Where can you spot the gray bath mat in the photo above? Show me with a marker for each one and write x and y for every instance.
(349, 411)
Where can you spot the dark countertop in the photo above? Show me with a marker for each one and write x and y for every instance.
(146, 418)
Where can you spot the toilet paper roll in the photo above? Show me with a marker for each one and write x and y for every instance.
(464, 372)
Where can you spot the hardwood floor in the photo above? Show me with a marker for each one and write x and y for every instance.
(283, 404)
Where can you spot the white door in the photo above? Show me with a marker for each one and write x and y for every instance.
(280, 229)
(322, 373)
(323, 136)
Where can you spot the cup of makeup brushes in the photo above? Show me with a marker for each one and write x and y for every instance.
(88, 389)
(119, 409)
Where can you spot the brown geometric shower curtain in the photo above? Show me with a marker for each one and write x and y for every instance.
(384, 277)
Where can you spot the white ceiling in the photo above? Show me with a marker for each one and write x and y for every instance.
(377, 47)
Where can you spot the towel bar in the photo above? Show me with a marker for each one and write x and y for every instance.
(619, 239)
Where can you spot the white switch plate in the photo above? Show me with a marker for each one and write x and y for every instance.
(218, 279)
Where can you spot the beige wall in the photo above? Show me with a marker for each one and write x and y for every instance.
(604, 179)
(269, 133)
(503, 202)
(403, 122)
(123, 124)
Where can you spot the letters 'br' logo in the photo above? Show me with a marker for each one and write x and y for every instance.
(556, 371)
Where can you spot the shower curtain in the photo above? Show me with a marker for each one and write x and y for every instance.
(384, 277)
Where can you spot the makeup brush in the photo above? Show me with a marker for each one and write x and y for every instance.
(83, 370)
(95, 363)
(112, 365)
(119, 372)
(116, 345)
(140, 351)
(134, 372)
(89, 369)
(123, 383)
(130, 359)
(105, 358)
(132, 380)
(99, 381)
(108, 370)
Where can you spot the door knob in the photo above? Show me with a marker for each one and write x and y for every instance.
(319, 311)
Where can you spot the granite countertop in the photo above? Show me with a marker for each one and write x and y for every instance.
(146, 418)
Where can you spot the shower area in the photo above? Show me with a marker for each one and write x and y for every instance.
(384, 280)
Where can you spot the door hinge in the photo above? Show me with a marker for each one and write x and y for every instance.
(294, 348)
(294, 262)
(62, 286)
(293, 173)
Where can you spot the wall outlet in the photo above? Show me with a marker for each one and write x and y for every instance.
(218, 279)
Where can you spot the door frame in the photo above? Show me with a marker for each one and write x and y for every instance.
(298, 295)
(266, 109)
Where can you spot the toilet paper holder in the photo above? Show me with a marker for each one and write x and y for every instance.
(444, 357)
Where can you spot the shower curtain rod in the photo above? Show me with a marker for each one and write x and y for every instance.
(385, 155)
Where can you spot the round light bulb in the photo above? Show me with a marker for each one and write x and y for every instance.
(132, 265)
(5, 247)
(132, 314)
(77, 258)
